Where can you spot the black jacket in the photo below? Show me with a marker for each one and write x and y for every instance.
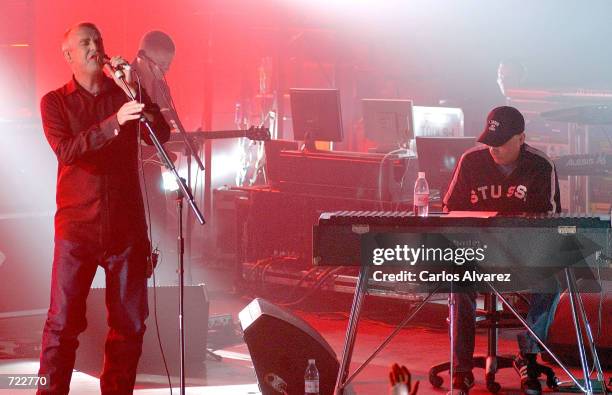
(479, 185)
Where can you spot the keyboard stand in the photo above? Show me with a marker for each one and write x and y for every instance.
(578, 315)
(343, 378)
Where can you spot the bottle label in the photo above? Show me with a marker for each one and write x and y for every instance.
(421, 199)
(311, 386)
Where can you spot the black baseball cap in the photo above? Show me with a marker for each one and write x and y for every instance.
(502, 123)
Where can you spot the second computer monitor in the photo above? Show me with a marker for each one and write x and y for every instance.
(388, 122)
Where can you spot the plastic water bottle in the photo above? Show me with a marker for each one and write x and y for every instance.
(421, 196)
(311, 379)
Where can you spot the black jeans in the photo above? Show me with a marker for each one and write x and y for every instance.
(74, 267)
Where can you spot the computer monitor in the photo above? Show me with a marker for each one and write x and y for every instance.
(438, 157)
(316, 115)
(437, 121)
(388, 122)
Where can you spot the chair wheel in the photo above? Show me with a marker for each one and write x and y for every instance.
(493, 387)
(552, 382)
(435, 380)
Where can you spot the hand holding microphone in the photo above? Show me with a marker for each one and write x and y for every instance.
(119, 69)
(116, 64)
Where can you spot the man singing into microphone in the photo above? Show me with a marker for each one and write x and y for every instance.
(93, 129)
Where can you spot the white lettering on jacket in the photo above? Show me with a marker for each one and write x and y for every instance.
(485, 192)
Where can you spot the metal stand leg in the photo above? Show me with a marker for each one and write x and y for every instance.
(491, 365)
(451, 315)
(579, 340)
(589, 333)
(351, 333)
(535, 336)
(392, 335)
(181, 252)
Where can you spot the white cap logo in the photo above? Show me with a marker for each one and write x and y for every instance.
(493, 125)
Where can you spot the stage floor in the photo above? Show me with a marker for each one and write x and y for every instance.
(418, 347)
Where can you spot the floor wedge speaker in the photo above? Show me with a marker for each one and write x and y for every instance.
(280, 345)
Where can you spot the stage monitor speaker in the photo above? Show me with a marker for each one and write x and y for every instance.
(90, 353)
(280, 345)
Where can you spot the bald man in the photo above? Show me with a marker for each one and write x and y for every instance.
(93, 129)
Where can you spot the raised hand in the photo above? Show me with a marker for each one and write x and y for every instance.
(400, 379)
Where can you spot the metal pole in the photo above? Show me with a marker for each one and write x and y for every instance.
(181, 250)
(451, 314)
(392, 335)
(579, 340)
(589, 332)
(351, 334)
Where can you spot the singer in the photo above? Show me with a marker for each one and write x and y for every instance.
(93, 129)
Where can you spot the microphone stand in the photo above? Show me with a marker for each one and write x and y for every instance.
(190, 151)
(183, 192)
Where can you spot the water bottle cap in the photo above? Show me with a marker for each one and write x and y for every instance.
(421, 174)
(311, 361)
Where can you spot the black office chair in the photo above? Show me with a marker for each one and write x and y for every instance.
(492, 319)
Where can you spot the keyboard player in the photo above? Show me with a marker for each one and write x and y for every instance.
(508, 176)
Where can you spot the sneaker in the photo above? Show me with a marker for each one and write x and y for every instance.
(462, 382)
(526, 367)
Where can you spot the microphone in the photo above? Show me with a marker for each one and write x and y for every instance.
(118, 70)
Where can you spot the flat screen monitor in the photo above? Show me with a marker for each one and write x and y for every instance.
(438, 157)
(316, 114)
(438, 121)
(388, 122)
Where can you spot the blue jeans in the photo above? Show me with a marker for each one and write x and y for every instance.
(541, 313)
(74, 267)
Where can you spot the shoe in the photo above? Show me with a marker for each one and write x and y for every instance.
(526, 367)
(462, 382)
